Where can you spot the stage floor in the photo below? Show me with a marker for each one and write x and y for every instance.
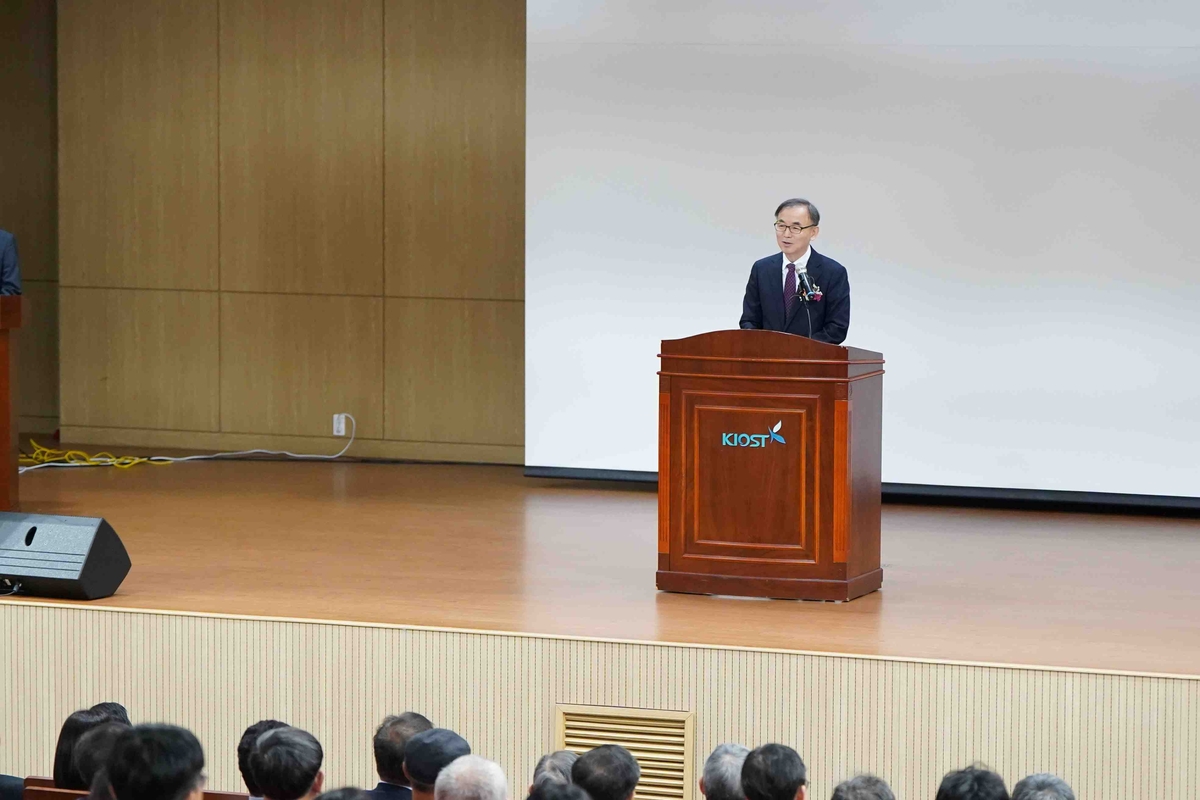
(483, 547)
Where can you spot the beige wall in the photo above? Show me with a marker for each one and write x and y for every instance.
(28, 197)
(1112, 735)
(274, 211)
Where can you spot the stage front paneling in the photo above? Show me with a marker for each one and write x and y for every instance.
(1110, 734)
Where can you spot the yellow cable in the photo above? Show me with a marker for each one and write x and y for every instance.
(46, 455)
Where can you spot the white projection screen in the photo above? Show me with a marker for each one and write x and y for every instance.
(1013, 188)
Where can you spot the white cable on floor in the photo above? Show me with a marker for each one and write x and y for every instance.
(106, 462)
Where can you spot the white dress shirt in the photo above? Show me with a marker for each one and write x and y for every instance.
(801, 266)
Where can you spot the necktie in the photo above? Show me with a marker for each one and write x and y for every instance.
(789, 289)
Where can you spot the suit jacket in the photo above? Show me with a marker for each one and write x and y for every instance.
(10, 268)
(390, 791)
(763, 307)
(11, 788)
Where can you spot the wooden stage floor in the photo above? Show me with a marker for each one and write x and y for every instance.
(483, 547)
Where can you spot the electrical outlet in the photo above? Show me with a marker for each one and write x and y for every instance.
(339, 424)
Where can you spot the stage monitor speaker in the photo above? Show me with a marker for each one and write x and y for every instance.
(74, 558)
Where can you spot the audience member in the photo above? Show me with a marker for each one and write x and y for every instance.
(93, 749)
(155, 762)
(11, 787)
(973, 783)
(390, 740)
(345, 793)
(607, 772)
(246, 745)
(552, 768)
(75, 726)
(286, 764)
(555, 790)
(471, 778)
(97, 748)
(1042, 786)
(722, 778)
(774, 772)
(113, 711)
(863, 787)
(101, 789)
(427, 754)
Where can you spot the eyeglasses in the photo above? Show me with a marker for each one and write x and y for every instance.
(797, 228)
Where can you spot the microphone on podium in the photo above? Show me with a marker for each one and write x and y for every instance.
(811, 290)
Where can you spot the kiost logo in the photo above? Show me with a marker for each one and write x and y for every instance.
(753, 439)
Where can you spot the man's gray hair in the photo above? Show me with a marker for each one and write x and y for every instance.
(555, 767)
(471, 778)
(863, 787)
(723, 772)
(285, 762)
(800, 202)
(1042, 786)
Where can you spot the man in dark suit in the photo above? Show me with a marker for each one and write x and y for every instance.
(776, 297)
(10, 267)
(391, 739)
(11, 787)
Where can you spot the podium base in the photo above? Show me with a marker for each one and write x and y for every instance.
(779, 588)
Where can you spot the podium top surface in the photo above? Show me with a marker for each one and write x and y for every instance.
(774, 346)
(13, 310)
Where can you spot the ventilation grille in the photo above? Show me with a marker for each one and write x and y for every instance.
(661, 741)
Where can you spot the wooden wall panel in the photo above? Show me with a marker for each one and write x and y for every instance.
(138, 144)
(302, 146)
(28, 200)
(1111, 735)
(37, 354)
(29, 197)
(239, 147)
(290, 362)
(455, 148)
(139, 359)
(455, 371)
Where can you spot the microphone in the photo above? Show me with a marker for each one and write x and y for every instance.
(811, 290)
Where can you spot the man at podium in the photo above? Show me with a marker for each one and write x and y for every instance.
(798, 290)
(10, 268)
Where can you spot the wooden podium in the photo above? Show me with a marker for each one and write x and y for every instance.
(768, 464)
(11, 309)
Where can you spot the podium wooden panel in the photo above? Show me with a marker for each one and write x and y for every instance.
(769, 466)
(11, 310)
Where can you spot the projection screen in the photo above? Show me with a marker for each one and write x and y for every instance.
(1012, 188)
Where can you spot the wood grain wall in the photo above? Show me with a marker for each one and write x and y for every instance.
(28, 196)
(276, 210)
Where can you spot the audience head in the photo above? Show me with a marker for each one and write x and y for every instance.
(93, 749)
(471, 778)
(156, 762)
(112, 711)
(774, 772)
(428, 753)
(973, 783)
(1042, 786)
(557, 790)
(863, 787)
(607, 772)
(722, 779)
(553, 768)
(73, 728)
(345, 793)
(286, 764)
(390, 740)
(246, 745)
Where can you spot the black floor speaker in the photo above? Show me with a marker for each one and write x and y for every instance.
(75, 558)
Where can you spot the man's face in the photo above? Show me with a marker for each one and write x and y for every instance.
(794, 244)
